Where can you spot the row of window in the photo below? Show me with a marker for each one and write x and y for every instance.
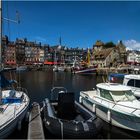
(134, 83)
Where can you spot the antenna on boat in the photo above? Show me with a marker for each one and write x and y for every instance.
(17, 20)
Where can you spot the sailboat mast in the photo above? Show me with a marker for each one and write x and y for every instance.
(88, 57)
(0, 38)
(0, 54)
(1, 61)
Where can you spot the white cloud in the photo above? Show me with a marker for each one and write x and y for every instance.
(132, 44)
(40, 39)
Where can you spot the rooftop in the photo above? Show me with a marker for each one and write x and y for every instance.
(113, 87)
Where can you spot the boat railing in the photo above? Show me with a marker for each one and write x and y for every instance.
(22, 89)
(55, 91)
(117, 104)
(13, 112)
(11, 117)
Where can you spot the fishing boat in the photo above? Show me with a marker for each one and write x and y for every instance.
(115, 104)
(87, 68)
(66, 118)
(55, 67)
(14, 104)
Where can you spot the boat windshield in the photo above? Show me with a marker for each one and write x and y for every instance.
(123, 95)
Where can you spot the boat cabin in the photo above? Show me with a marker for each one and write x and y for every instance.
(132, 80)
(115, 92)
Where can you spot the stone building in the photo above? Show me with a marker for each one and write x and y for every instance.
(20, 50)
(105, 56)
(10, 54)
(122, 53)
(133, 58)
(29, 57)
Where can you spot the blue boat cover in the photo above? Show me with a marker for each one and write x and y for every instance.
(4, 82)
(116, 75)
(11, 100)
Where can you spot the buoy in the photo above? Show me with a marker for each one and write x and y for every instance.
(19, 125)
(94, 108)
(109, 115)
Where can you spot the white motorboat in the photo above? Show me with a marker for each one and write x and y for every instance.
(14, 104)
(115, 104)
(61, 69)
(55, 68)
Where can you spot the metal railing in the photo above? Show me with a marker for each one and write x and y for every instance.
(22, 89)
(115, 104)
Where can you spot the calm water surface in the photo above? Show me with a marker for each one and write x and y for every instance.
(39, 84)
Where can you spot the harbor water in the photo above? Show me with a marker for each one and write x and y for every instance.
(39, 84)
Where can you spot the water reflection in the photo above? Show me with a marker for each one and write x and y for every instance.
(39, 84)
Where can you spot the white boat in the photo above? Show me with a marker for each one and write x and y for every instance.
(21, 68)
(62, 68)
(115, 104)
(133, 81)
(55, 68)
(14, 104)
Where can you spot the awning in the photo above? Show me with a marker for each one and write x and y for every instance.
(51, 63)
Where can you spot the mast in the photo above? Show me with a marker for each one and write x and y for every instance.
(1, 61)
(0, 54)
(88, 58)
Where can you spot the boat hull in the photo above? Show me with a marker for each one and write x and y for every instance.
(85, 71)
(8, 129)
(72, 128)
(113, 117)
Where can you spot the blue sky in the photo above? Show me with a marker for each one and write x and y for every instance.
(79, 23)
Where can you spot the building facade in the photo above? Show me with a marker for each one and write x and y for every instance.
(133, 58)
(20, 51)
(10, 54)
